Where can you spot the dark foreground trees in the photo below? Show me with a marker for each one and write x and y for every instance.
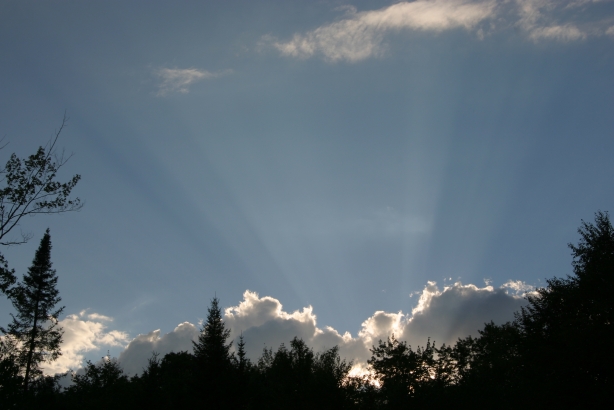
(557, 353)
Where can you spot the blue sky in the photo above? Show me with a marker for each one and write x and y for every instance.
(341, 155)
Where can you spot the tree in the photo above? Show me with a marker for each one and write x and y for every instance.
(212, 356)
(101, 386)
(211, 348)
(35, 326)
(567, 326)
(402, 372)
(31, 187)
(242, 362)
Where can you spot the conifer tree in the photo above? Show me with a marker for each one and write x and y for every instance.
(211, 349)
(242, 361)
(213, 358)
(35, 325)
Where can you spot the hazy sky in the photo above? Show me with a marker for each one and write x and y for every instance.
(338, 157)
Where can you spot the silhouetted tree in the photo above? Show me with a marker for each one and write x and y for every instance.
(299, 379)
(177, 381)
(402, 372)
(213, 358)
(567, 325)
(35, 326)
(149, 384)
(11, 382)
(242, 362)
(31, 188)
(101, 386)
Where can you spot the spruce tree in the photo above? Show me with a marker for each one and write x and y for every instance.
(211, 348)
(213, 358)
(35, 325)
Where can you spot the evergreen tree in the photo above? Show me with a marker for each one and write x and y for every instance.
(35, 326)
(243, 363)
(213, 357)
(211, 348)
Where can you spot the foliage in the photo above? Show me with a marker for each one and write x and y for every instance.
(31, 188)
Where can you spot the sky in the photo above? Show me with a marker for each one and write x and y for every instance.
(335, 170)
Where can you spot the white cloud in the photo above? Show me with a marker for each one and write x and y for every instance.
(361, 35)
(83, 333)
(517, 288)
(179, 80)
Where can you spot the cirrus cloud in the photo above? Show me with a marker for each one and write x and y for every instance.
(361, 35)
(179, 80)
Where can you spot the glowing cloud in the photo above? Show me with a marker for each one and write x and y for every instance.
(444, 315)
(83, 333)
(361, 35)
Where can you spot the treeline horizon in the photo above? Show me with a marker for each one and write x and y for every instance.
(557, 352)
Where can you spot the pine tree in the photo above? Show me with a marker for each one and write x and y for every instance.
(35, 326)
(213, 357)
(211, 349)
(243, 362)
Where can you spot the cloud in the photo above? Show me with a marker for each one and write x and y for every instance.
(460, 310)
(444, 315)
(83, 333)
(134, 358)
(562, 33)
(179, 80)
(361, 35)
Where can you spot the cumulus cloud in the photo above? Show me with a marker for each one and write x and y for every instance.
(460, 310)
(442, 314)
(134, 358)
(84, 332)
(179, 80)
(360, 35)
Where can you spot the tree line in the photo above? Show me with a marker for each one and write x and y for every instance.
(557, 352)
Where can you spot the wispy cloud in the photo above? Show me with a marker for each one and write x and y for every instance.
(179, 80)
(361, 35)
(562, 33)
